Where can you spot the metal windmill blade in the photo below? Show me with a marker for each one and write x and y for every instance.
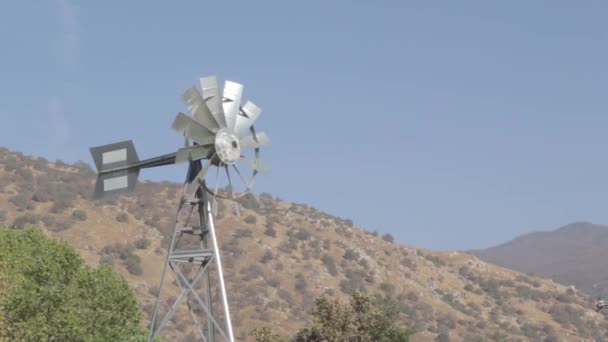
(216, 124)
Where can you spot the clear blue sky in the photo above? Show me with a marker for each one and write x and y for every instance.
(449, 124)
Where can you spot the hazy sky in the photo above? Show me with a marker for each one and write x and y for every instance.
(449, 124)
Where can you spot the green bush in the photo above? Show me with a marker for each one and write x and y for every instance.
(49, 294)
(360, 320)
(250, 219)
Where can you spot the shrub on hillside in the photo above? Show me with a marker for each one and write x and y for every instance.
(252, 272)
(270, 232)
(286, 296)
(106, 260)
(24, 220)
(10, 163)
(153, 291)
(388, 238)
(122, 217)
(48, 220)
(360, 320)
(22, 202)
(25, 175)
(437, 261)
(302, 234)
(250, 219)
(40, 164)
(330, 264)
(149, 310)
(350, 255)
(80, 215)
(407, 262)
(326, 244)
(388, 289)
(274, 281)
(300, 283)
(60, 204)
(41, 196)
(354, 282)
(266, 257)
(61, 224)
(243, 233)
(133, 264)
(124, 251)
(567, 315)
(248, 201)
(142, 243)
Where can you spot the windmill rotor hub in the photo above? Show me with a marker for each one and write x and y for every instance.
(227, 147)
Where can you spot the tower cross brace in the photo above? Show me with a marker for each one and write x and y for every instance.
(209, 326)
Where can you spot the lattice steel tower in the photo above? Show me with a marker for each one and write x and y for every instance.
(216, 126)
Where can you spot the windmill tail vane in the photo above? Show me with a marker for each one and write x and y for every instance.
(220, 135)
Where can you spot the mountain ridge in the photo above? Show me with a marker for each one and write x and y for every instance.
(570, 255)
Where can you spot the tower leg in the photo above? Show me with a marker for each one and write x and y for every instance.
(207, 254)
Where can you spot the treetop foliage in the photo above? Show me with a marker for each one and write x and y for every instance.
(47, 293)
(335, 321)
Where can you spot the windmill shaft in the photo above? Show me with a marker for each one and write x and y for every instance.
(166, 159)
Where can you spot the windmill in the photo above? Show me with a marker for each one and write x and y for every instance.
(221, 132)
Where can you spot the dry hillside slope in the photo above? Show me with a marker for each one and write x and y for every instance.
(279, 256)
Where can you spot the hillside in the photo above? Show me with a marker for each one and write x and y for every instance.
(572, 255)
(280, 256)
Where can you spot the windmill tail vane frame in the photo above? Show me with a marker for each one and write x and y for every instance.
(217, 134)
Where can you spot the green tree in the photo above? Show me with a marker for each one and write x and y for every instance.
(358, 321)
(264, 335)
(49, 294)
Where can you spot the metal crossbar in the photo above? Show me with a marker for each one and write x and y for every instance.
(207, 324)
